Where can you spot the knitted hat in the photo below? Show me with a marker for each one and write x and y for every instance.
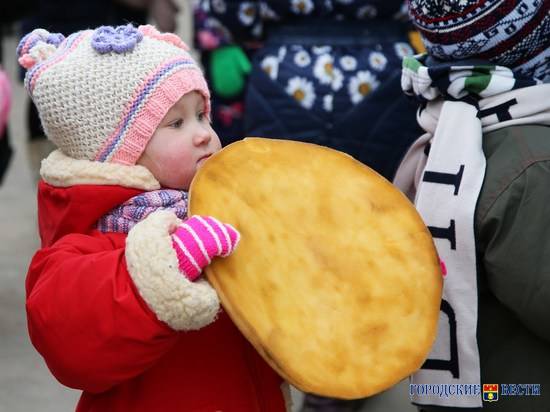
(102, 93)
(515, 34)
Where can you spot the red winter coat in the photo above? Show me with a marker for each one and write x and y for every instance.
(94, 301)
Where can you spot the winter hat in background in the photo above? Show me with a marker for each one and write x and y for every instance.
(515, 34)
(102, 93)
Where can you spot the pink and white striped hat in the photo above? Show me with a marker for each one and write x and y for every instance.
(102, 93)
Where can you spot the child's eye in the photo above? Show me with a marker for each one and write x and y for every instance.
(177, 124)
(202, 116)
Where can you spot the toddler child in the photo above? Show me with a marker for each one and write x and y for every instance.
(115, 303)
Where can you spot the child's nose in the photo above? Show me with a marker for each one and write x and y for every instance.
(202, 136)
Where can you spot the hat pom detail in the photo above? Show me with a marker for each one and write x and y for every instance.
(37, 46)
(27, 61)
(120, 39)
(152, 32)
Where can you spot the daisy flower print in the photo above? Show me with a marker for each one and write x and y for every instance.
(270, 65)
(302, 58)
(301, 6)
(378, 61)
(361, 85)
(324, 68)
(247, 13)
(219, 6)
(348, 63)
(302, 91)
(327, 102)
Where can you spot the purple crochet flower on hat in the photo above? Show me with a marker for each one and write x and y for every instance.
(119, 39)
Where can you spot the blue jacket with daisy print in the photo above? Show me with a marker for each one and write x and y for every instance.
(328, 73)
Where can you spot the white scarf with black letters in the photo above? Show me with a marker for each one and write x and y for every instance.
(443, 173)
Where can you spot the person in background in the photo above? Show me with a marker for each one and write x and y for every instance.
(5, 104)
(328, 72)
(227, 66)
(9, 13)
(479, 177)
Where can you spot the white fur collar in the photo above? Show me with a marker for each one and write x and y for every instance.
(61, 170)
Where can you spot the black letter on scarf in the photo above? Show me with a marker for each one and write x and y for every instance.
(445, 178)
(445, 233)
(450, 365)
(502, 111)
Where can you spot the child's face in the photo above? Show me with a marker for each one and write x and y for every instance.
(183, 140)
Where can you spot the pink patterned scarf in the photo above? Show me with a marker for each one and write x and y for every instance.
(122, 218)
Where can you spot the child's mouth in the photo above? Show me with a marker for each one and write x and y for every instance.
(203, 159)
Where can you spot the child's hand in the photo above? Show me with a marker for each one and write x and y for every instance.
(199, 239)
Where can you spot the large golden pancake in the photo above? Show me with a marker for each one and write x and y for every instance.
(336, 281)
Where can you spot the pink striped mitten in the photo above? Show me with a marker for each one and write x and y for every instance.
(198, 239)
